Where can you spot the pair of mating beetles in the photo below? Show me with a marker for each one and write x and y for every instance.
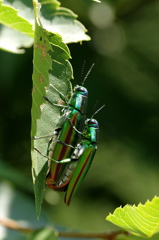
(73, 145)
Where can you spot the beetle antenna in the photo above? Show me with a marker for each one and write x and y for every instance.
(82, 70)
(98, 110)
(88, 74)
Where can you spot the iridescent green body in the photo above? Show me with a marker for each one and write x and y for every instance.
(84, 154)
(80, 161)
(73, 123)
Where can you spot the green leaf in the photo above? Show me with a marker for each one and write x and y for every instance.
(19, 16)
(51, 66)
(44, 233)
(63, 21)
(142, 220)
(9, 17)
(11, 20)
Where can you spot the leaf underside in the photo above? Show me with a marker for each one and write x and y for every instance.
(51, 66)
(17, 19)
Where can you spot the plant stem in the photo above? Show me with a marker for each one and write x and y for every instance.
(107, 235)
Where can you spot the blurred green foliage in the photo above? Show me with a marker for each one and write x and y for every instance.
(125, 50)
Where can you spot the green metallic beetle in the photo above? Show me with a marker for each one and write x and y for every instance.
(83, 154)
(80, 161)
(72, 147)
(68, 136)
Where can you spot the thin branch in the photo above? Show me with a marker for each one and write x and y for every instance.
(9, 223)
(107, 236)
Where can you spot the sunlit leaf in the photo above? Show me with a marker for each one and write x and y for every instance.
(142, 220)
(11, 20)
(51, 66)
(63, 21)
(19, 16)
(9, 17)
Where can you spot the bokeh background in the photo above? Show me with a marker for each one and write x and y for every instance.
(125, 170)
